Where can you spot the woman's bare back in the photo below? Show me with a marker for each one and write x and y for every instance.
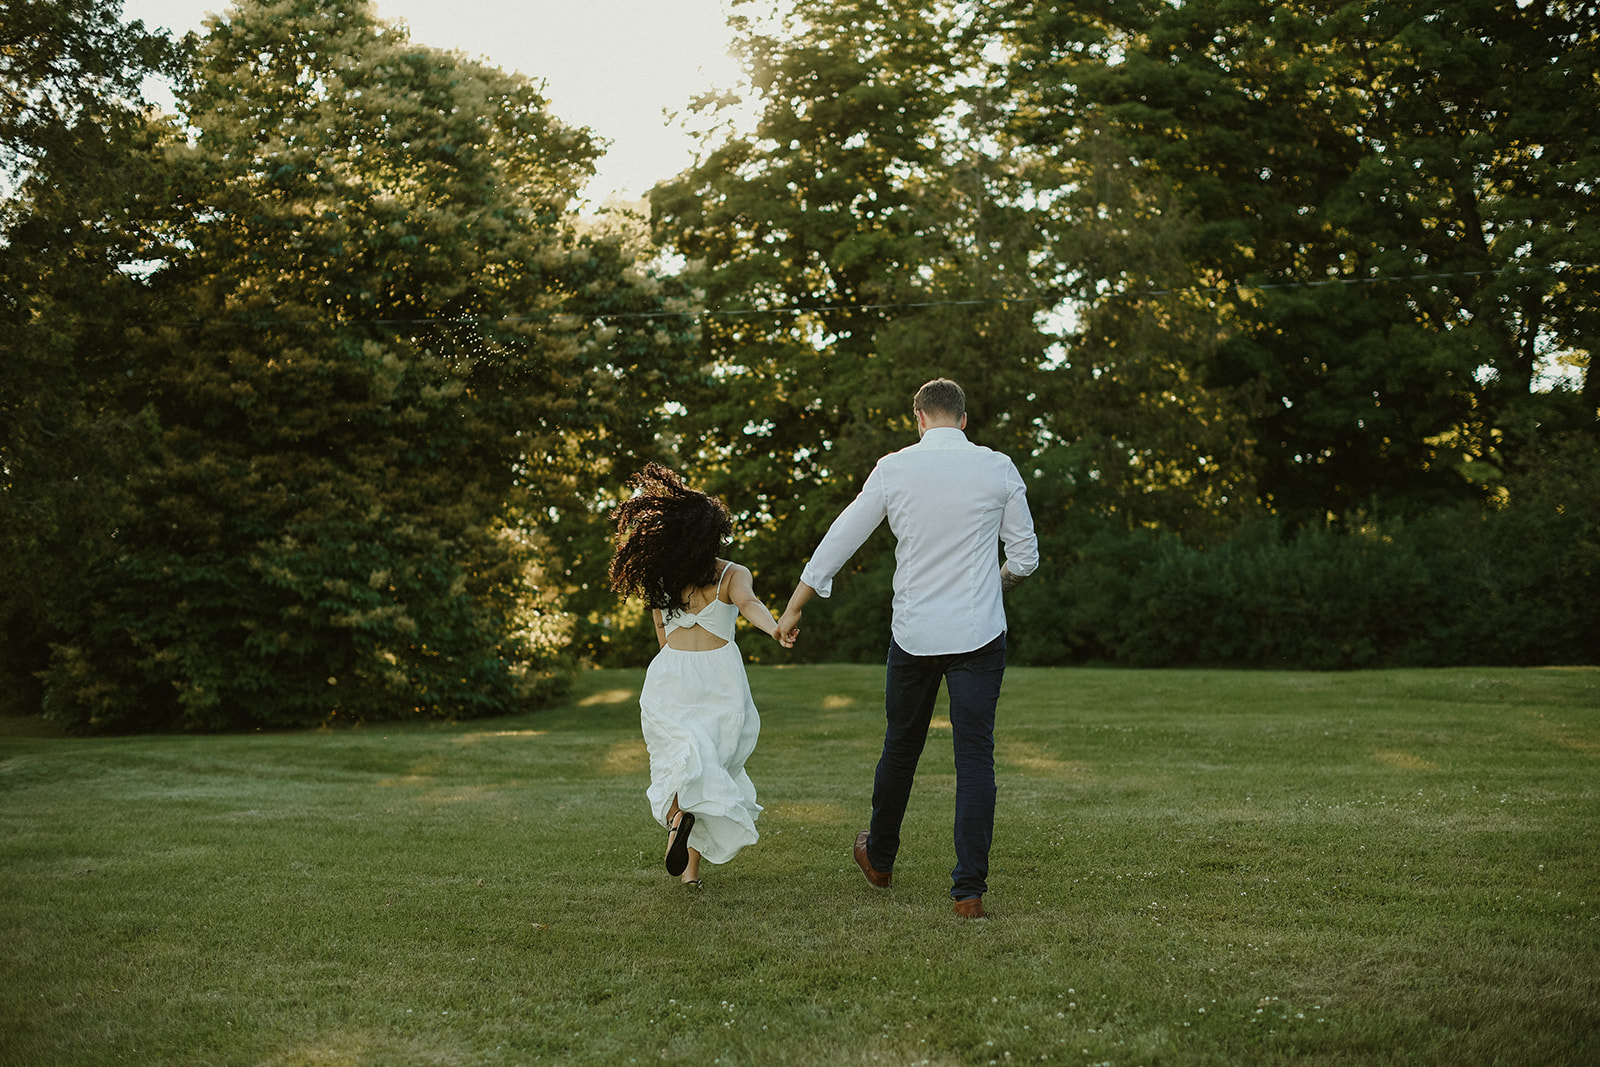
(697, 638)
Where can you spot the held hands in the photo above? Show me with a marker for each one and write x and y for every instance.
(789, 622)
(788, 628)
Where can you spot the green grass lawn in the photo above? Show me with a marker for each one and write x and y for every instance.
(1189, 868)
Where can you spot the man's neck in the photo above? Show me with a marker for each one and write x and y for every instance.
(924, 424)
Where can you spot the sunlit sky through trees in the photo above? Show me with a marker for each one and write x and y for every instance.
(616, 66)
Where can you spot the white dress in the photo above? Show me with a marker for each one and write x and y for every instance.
(700, 725)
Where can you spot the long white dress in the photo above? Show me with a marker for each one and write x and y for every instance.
(700, 725)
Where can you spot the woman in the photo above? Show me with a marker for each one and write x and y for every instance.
(699, 721)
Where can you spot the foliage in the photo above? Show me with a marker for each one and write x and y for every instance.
(71, 72)
(1514, 587)
(1391, 205)
(379, 356)
(1314, 262)
(876, 229)
(835, 245)
(316, 398)
(1213, 191)
(78, 158)
(1138, 435)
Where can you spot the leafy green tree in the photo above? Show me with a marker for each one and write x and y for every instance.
(1138, 436)
(858, 242)
(382, 358)
(71, 73)
(82, 180)
(1393, 202)
(884, 223)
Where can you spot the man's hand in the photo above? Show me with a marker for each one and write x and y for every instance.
(784, 637)
(789, 621)
(1008, 581)
(789, 627)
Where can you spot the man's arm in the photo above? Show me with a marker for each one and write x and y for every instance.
(848, 533)
(789, 622)
(1016, 532)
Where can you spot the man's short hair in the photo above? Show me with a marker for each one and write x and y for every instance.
(941, 396)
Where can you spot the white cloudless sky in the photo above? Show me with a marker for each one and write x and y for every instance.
(615, 66)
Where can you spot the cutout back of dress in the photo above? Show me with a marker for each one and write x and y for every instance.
(717, 618)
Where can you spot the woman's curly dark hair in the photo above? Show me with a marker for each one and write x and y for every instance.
(667, 539)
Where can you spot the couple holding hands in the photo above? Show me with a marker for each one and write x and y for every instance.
(950, 505)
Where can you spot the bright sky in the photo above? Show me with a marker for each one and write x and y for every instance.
(615, 66)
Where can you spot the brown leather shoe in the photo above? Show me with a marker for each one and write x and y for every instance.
(878, 879)
(971, 908)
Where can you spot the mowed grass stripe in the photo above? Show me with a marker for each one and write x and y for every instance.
(1189, 868)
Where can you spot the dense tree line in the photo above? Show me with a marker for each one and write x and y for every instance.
(315, 395)
(1331, 266)
(295, 380)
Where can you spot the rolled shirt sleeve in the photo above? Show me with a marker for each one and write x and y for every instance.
(1016, 531)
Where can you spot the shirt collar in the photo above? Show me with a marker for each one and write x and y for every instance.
(942, 437)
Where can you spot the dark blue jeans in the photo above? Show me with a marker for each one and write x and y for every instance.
(911, 686)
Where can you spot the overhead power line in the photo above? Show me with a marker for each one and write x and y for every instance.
(799, 309)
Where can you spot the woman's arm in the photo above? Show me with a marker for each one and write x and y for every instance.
(741, 592)
(661, 627)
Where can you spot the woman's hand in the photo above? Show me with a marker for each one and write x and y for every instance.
(788, 627)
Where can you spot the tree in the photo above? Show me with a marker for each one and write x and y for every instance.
(1393, 201)
(70, 73)
(884, 223)
(1138, 437)
(82, 179)
(381, 356)
(859, 242)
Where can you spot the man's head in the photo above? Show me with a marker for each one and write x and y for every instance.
(940, 403)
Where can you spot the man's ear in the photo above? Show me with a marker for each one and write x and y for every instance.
(963, 425)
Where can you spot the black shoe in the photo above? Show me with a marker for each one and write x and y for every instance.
(678, 847)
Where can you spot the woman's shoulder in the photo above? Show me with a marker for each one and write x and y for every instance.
(728, 574)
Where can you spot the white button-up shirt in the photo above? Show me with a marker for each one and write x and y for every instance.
(950, 504)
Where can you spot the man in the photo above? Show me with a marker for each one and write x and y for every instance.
(950, 504)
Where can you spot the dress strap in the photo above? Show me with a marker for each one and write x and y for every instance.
(721, 577)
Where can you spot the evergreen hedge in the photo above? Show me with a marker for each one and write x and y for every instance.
(1464, 587)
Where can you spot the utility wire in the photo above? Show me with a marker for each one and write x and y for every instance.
(1126, 294)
